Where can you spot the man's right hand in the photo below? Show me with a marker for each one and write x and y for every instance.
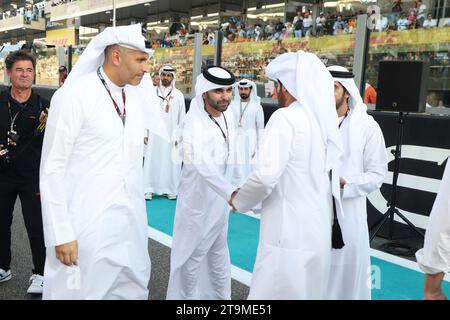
(230, 201)
(67, 253)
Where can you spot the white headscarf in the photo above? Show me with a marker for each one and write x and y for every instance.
(306, 78)
(350, 85)
(197, 106)
(93, 57)
(249, 84)
(358, 109)
(203, 85)
(165, 69)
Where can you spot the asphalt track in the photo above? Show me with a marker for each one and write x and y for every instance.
(21, 266)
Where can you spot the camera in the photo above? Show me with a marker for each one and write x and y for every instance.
(13, 136)
(5, 156)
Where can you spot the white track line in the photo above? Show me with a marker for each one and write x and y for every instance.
(251, 214)
(379, 254)
(238, 274)
(244, 276)
(399, 261)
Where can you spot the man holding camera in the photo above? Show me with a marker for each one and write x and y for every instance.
(22, 122)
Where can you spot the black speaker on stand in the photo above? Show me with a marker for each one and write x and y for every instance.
(402, 88)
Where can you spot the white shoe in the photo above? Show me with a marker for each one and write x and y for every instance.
(36, 284)
(5, 275)
(171, 196)
(148, 196)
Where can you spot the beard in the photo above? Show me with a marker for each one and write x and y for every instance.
(244, 96)
(219, 105)
(340, 101)
(281, 100)
(166, 83)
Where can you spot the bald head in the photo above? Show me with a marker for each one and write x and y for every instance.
(124, 65)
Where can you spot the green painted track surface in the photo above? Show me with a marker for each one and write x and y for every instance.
(391, 281)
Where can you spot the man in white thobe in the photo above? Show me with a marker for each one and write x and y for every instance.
(162, 166)
(200, 259)
(300, 150)
(249, 118)
(363, 169)
(434, 257)
(91, 176)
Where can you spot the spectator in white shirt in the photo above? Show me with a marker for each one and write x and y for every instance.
(381, 24)
(421, 12)
(430, 22)
(321, 23)
(307, 24)
(298, 24)
(402, 23)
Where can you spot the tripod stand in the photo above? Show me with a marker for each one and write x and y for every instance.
(392, 204)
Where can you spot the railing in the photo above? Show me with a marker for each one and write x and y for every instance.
(20, 21)
(78, 8)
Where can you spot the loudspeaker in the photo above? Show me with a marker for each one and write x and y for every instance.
(402, 86)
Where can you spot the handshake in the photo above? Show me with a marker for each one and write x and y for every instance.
(230, 201)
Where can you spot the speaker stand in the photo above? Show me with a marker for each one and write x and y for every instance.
(391, 246)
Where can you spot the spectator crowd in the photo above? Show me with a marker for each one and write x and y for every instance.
(238, 29)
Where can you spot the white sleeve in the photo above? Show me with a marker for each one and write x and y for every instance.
(152, 114)
(63, 126)
(271, 161)
(259, 126)
(374, 163)
(435, 255)
(195, 156)
(182, 112)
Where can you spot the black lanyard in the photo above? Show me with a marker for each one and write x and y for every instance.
(164, 98)
(242, 112)
(346, 114)
(226, 137)
(123, 115)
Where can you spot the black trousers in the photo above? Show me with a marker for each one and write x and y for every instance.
(28, 192)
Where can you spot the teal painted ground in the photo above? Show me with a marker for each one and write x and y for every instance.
(391, 281)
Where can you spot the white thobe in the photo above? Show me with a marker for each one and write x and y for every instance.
(293, 258)
(91, 183)
(364, 168)
(200, 259)
(249, 120)
(162, 165)
(434, 257)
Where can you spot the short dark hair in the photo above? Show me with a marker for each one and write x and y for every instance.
(109, 48)
(19, 55)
